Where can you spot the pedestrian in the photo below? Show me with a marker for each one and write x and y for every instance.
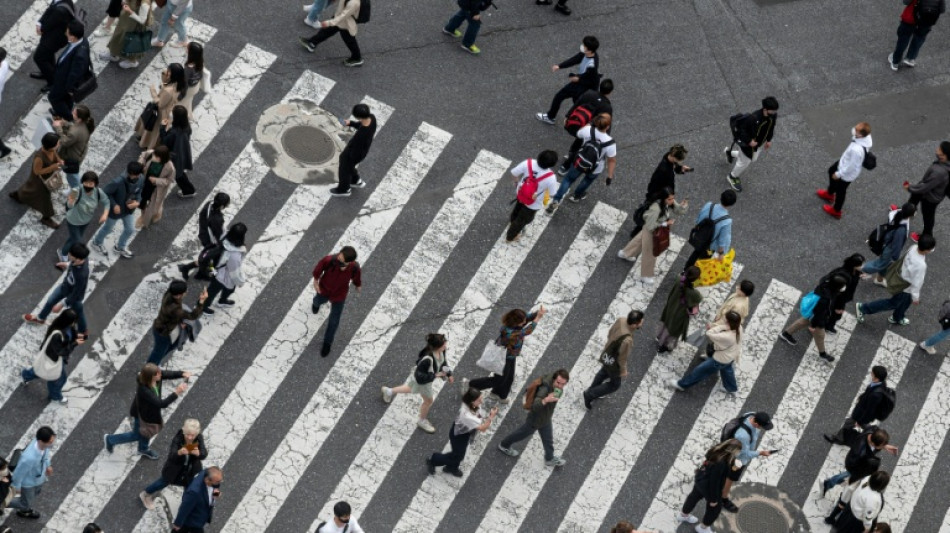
(6, 491)
(51, 27)
(843, 172)
(356, 150)
(904, 278)
(750, 131)
(720, 461)
(71, 69)
(32, 472)
(431, 364)
(560, 7)
(662, 208)
(664, 175)
(713, 229)
(125, 193)
(197, 76)
(343, 521)
(932, 189)
(865, 411)
(613, 358)
(198, 501)
(468, 421)
(469, 11)
(228, 274)
(547, 390)
(862, 459)
(587, 77)
(345, 23)
(727, 349)
(738, 301)
(587, 106)
(331, 280)
(536, 184)
(133, 15)
(917, 18)
(598, 151)
(851, 269)
(863, 504)
(81, 204)
(92, 527)
(313, 12)
(165, 95)
(60, 341)
(928, 345)
(146, 409)
(71, 292)
(159, 176)
(210, 227)
(176, 135)
(827, 290)
(113, 12)
(33, 192)
(515, 326)
(681, 304)
(4, 74)
(74, 141)
(167, 325)
(892, 243)
(749, 433)
(185, 453)
(174, 15)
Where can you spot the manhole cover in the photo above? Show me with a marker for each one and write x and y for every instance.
(761, 517)
(308, 144)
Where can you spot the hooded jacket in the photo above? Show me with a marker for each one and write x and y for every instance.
(933, 187)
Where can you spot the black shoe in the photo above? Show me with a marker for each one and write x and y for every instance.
(830, 520)
(825, 487)
(727, 505)
(208, 311)
(831, 330)
(307, 44)
(562, 9)
(337, 192)
(729, 157)
(662, 349)
(325, 350)
(785, 336)
(457, 472)
(827, 357)
(5, 152)
(184, 270)
(587, 401)
(831, 438)
(45, 89)
(314, 309)
(224, 302)
(429, 466)
(29, 513)
(37, 76)
(575, 198)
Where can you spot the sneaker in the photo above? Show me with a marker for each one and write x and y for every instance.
(124, 252)
(105, 441)
(703, 529)
(623, 256)
(350, 62)
(62, 258)
(33, 319)
(728, 505)
(62, 401)
(29, 513)
(586, 401)
(909, 63)
(516, 239)
(674, 383)
(722, 388)
(429, 466)
(902, 322)
(830, 209)
(307, 44)
(498, 399)
(858, 314)
(474, 50)
(646, 282)
(825, 195)
(457, 472)
(325, 350)
(562, 9)
(929, 349)
(208, 311)
(102, 32)
(914, 236)
(424, 425)
(106, 56)
(125, 63)
(555, 462)
(149, 454)
(830, 330)
(687, 518)
(728, 151)
(147, 500)
(575, 198)
(890, 61)
(387, 394)
(827, 356)
(787, 337)
(508, 451)
(552, 207)
(224, 302)
(734, 183)
(359, 184)
(189, 195)
(315, 24)
(337, 192)
(453, 33)
(543, 117)
(156, 43)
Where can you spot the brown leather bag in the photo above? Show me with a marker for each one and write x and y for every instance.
(661, 240)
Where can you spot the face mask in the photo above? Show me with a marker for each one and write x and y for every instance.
(583, 50)
(87, 189)
(854, 132)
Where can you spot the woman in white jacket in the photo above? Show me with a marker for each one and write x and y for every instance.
(727, 344)
(862, 504)
(228, 275)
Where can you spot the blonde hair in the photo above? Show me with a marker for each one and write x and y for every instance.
(191, 425)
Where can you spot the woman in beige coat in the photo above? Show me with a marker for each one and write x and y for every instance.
(344, 23)
(196, 75)
(727, 343)
(170, 92)
(660, 213)
(159, 176)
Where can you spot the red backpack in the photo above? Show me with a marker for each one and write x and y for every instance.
(529, 187)
(579, 117)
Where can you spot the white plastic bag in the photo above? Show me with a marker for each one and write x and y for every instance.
(493, 358)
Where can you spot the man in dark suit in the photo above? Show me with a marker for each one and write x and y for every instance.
(52, 31)
(865, 411)
(71, 69)
(198, 501)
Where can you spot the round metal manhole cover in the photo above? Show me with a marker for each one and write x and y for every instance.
(308, 144)
(761, 517)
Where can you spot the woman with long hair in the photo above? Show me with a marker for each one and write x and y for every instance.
(681, 304)
(74, 141)
(468, 421)
(34, 193)
(159, 176)
(228, 275)
(661, 212)
(827, 290)
(515, 326)
(430, 365)
(167, 325)
(196, 74)
(166, 95)
(60, 341)
(134, 14)
(894, 240)
(726, 341)
(711, 477)
(176, 135)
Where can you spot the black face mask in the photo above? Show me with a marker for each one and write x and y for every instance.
(133, 180)
(87, 189)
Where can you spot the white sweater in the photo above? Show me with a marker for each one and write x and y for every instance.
(913, 271)
(865, 503)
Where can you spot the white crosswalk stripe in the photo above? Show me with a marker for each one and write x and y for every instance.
(20, 40)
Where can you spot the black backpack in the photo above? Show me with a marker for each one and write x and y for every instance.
(609, 356)
(591, 152)
(363, 16)
(702, 234)
(639, 212)
(734, 122)
(870, 160)
(886, 406)
(729, 430)
(926, 14)
(877, 240)
(208, 260)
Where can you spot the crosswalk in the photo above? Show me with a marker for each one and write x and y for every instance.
(348, 379)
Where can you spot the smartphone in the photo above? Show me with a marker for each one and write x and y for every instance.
(558, 392)
(775, 451)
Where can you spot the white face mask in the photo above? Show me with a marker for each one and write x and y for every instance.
(583, 50)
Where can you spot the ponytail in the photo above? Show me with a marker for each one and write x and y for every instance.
(83, 114)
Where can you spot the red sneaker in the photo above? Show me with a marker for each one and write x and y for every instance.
(825, 195)
(894, 207)
(830, 209)
(34, 319)
(914, 236)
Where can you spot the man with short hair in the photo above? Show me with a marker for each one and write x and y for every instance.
(916, 20)
(72, 67)
(846, 169)
(932, 189)
(613, 358)
(52, 31)
(587, 77)
(31, 472)
(546, 396)
(905, 278)
(596, 136)
(71, 292)
(721, 241)
(197, 503)
(862, 459)
(750, 132)
(125, 193)
(343, 521)
(595, 102)
(357, 148)
(81, 204)
(865, 410)
(331, 279)
(750, 434)
(536, 185)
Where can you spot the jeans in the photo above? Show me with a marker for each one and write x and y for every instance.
(899, 303)
(54, 388)
(336, 311)
(598, 388)
(316, 8)
(500, 385)
(705, 369)
(453, 459)
(836, 479)
(348, 40)
(75, 235)
(937, 337)
(571, 90)
(928, 210)
(526, 430)
(712, 512)
(128, 230)
(129, 436)
(521, 216)
(156, 486)
(569, 180)
(880, 264)
(912, 35)
(161, 347)
(213, 289)
(164, 30)
(471, 32)
(54, 299)
(24, 502)
(743, 160)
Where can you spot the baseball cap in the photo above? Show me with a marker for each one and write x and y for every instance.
(763, 419)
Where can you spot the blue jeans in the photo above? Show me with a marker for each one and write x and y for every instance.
(156, 486)
(164, 30)
(937, 337)
(471, 32)
(161, 346)
(569, 179)
(129, 436)
(909, 34)
(54, 299)
(336, 311)
(24, 502)
(705, 369)
(73, 180)
(836, 479)
(75, 235)
(899, 303)
(315, 9)
(54, 388)
(880, 264)
(128, 230)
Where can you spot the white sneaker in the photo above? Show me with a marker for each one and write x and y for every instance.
(703, 529)
(106, 56)
(99, 248)
(646, 282)
(124, 252)
(674, 383)
(909, 63)
(156, 43)
(359, 184)
(929, 349)
(306, 8)
(555, 462)
(424, 425)
(688, 518)
(147, 500)
(623, 256)
(102, 32)
(387, 394)
(315, 24)
(125, 63)
(890, 61)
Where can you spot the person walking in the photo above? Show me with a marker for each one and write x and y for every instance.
(865, 411)
(738, 301)
(749, 433)
(176, 135)
(32, 472)
(81, 204)
(536, 183)
(345, 23)
(74, 141)
(681, 304)
(51, 27)
(932, 189)
(516, 325)
(125, 193)
(862, 459)
(431, 364)
(159, 176)
(167, 325)
(210, 227)
(356, 150)
(146, 409)
(72, 68)
(174, 15)
(228, 274)
(165, 95)
(60, 341)
(598, 152)
(892, 243)
(467, 422)
(331, 280)
(928, 344)
(843, 172)
(587, 106)
(548, 390)
(863, 504)
(827, 291)
(185, 453)
(71, 292)
(587, 77)
(710, 478)
(750, 131)
(905, 278)
(198, 501)
(197, 76)
(851, 269)
(660, 214)
(33, 192)
(917, 19)
(343, 521)
(113, 12)
(613, 358)
(313, 12)
(727, 349)
(664, 175)
(134, 15)
(714, 229)
(469, 11)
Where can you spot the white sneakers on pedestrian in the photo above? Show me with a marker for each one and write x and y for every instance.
(424, 425)
(646, 282)
(687, 518)
(387, 394)
(556, 461)
(315, 24)
(703, 529)
(125, 63)
(510, 452)
(929, 349)
(106, 56)
(890, 61)
(623, 256)
(543, 117)
(674, 383)
(147, 500)
(909, 63)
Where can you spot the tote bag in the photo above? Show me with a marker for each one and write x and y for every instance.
(661, 240)
(493, 358)
(43, 366)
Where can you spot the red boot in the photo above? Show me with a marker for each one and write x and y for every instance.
(825, 195)
(830, 209)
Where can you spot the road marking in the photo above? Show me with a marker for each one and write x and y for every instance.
(437, 493)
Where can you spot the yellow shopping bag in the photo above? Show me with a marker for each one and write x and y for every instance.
(713, 271)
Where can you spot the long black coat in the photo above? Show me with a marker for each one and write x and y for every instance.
(181, 469)
(71, 70)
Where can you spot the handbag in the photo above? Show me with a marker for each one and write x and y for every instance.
(807, 307)
(146, 429)
(713, 271)
(86, 86)
(55, 181)
(139, 41)
(44, 367)
(149, 116)
(493, 358)
(661, 240)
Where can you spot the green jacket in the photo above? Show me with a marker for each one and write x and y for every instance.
(541, 414)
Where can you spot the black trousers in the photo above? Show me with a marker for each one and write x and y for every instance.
(348, 173)
(453, 459)
(695, 256)
(184, 184)
(45, 59)
(928, 210)
(571, 90)
(521, 216)
(500, 385)
(838, 187)
(62, 105)
(214, 288)
(711, 514)
(599, 389)
(348, 40)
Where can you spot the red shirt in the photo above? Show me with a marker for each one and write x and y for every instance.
(334, 277)
(908, 14)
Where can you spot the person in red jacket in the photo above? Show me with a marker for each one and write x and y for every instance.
(331, 280)
(916, 20)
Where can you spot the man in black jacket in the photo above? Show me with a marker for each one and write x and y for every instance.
(52, 31)
(356, 150)
(587, 77)
(862, 461)
(751, 132)
(598, 103)
(470, 10)
(865, 411)
(71, 69)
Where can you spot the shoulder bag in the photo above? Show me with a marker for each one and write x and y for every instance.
(493, 357)
(146, 429)
(54, 182)
(661, 240)
(44, 367)
(136, 43)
